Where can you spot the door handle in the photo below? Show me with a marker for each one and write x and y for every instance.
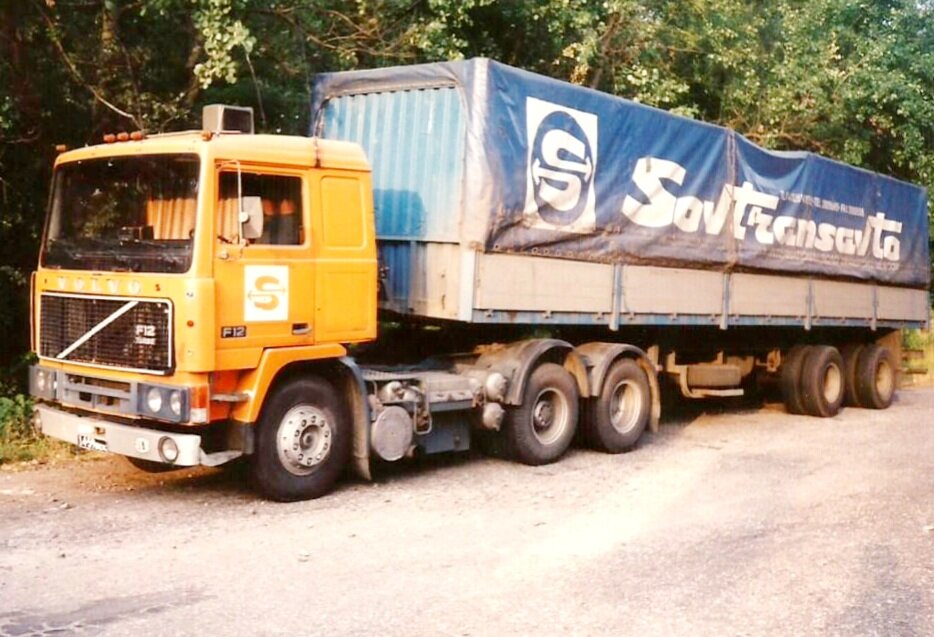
(300, 329)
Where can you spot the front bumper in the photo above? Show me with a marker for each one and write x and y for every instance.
(137, 442)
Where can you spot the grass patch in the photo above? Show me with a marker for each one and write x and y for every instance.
(918, 339)
(19, 441)
(922, 340)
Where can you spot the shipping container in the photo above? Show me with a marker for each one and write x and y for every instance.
(502, 196)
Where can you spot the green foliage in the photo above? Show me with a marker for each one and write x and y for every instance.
(15, 417)
(913, 339)
(18, 440)
(222, 36)
(918, 339)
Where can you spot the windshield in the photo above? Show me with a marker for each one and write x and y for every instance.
(123, 214)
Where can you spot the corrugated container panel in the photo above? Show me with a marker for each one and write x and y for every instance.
(414, 140)
(395, 258)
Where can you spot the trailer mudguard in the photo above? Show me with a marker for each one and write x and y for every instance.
(516, 362)
(599, 357)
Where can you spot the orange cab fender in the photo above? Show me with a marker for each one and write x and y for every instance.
(256, 383)
(330, 363)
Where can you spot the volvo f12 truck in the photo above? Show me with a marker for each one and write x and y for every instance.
(459, 254)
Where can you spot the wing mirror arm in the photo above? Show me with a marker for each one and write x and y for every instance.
(249, 209)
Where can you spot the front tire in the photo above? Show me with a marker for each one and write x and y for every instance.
(617, 418)
(303, 441)
(541, 429)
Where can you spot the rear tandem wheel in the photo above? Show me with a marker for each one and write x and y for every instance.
(791, 378)
(876, 377)
(822, 381)
(615, 420)
(541, 429)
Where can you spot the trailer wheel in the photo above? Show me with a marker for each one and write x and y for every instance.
(875, 377)
(791, 378)
(615, 420)
(540, 430)
(822, 382)
(850, 353)
(303, 441)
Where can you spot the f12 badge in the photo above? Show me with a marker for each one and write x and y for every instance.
(266, 293)
(233, 331)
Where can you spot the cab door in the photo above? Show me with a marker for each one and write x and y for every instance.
(264, 287)
(345, 247)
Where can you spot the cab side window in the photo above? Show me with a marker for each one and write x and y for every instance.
(282, 207)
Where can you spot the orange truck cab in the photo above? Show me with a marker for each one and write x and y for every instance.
(181, 275)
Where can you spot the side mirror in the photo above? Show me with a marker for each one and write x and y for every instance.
(251, 217)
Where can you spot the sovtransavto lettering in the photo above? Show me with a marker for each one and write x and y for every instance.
(750, 210)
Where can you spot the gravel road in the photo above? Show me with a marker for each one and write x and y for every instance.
(745, 522)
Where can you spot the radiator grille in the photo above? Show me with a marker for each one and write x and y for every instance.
(136, 333)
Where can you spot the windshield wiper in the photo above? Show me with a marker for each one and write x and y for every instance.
(143, 255)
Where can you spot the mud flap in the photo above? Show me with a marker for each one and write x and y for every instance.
(654, 387)
(355, 396)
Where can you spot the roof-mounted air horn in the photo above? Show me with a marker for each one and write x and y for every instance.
(221, 118)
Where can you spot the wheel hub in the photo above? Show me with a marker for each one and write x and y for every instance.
(885, 381)
(833, 383)
(625, 406)
(550, 416)
(544, 415)
(304, 439)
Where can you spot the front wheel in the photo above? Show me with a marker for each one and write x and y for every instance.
(303, 442)
(540, 430)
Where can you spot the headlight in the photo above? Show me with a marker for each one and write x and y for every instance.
(175, 402)
(165, 402)
(168, 450)
(42, 382)
(154, 400)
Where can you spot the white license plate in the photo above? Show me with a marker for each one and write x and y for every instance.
(88, 442)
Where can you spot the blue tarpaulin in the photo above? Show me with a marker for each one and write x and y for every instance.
(550, 168)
